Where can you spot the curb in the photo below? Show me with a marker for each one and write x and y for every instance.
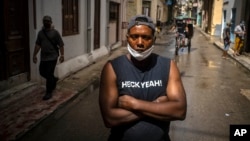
(243, 60)
(68, 89)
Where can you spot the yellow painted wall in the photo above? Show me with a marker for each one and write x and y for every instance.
(217, 17)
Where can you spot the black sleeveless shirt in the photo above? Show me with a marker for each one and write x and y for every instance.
(146, 84)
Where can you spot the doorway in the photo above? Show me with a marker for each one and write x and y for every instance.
(97, 24)
(14, 40)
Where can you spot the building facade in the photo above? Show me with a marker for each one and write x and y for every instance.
(235, 11)
(89, 28)
(156, 9)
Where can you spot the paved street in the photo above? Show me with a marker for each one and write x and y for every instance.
(214, 91)
(214, 99)
(23, 108)
(79, 120)
(84, 35)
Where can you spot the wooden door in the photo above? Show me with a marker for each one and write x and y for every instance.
(14, 48)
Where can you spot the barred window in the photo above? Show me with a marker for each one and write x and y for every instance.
(113, 11)
(70, 17)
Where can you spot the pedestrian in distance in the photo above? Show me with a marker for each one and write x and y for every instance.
(158, 30)
(184, 40)
(226, 40)
(141, 92)
(240, 32)
(50, 42)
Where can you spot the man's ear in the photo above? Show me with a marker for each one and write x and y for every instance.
(154, 38)
(127, 36)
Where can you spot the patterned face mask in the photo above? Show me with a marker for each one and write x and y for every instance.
(140, 55)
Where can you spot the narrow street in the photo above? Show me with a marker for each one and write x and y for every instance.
(213, 87)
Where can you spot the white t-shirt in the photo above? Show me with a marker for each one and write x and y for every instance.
(239, 29)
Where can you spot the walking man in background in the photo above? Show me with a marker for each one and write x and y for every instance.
(226, 39)
(50, 42)
(141, 92)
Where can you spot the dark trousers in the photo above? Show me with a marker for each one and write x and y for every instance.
(46, 70)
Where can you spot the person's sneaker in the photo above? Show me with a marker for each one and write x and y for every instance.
(56, 79)
(47, 96)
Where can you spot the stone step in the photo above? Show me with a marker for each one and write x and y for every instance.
(15, 93)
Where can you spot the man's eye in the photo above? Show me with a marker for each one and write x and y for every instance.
(144, 37)
(134, 36)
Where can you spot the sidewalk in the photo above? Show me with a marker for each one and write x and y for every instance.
(22, 107)
(243, 59)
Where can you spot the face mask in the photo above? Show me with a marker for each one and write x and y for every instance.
(140, 55)
(242, 23)
(46, 25)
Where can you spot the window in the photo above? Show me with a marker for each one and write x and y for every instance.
(113, 11)
(70, 17)
(146, 8)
